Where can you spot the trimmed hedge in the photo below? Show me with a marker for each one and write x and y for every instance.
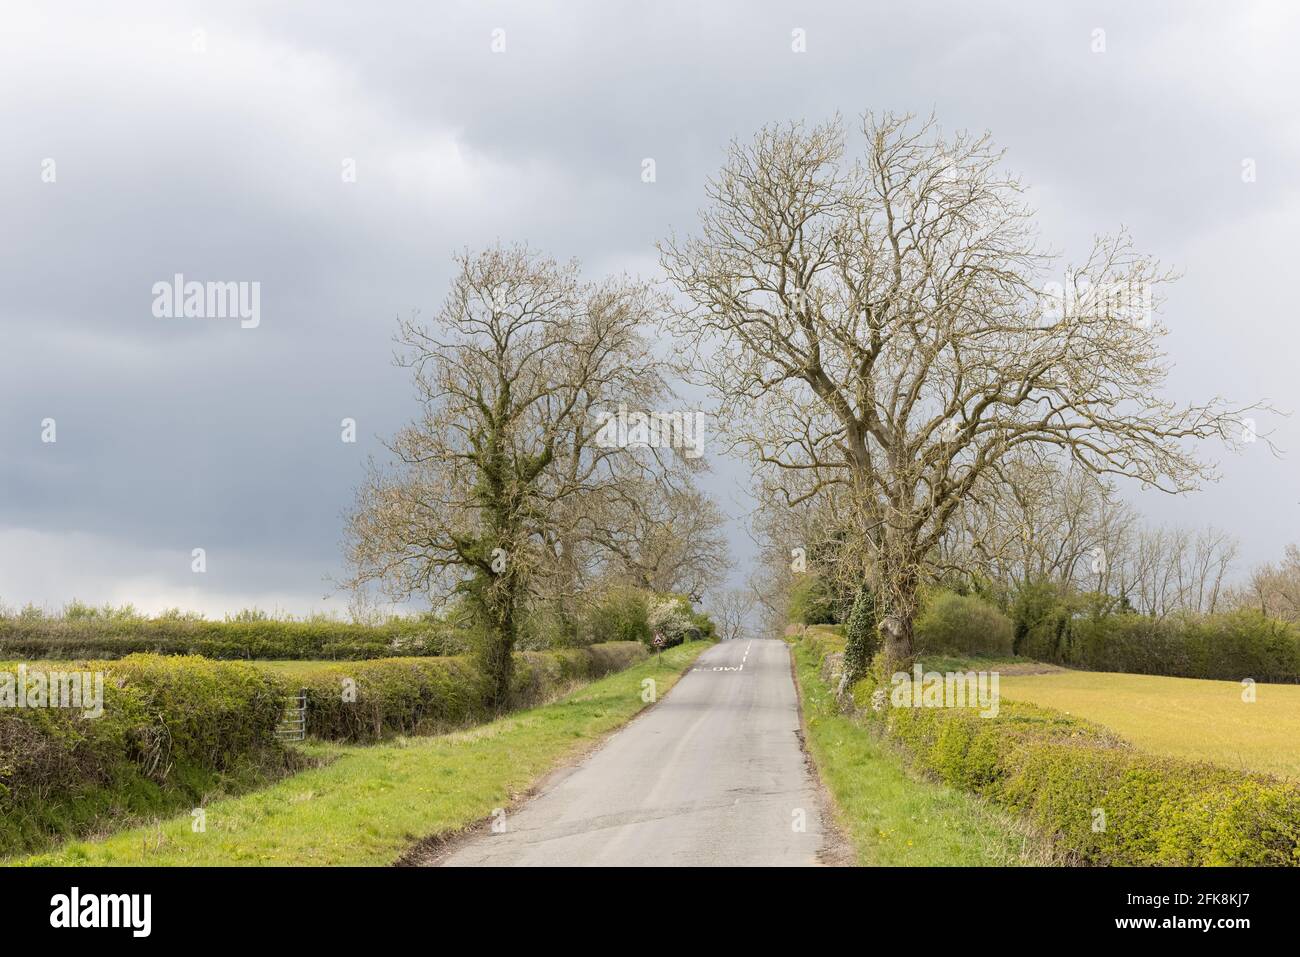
(1060, 771)
(174, 728)
(76, 638)
(170, 727)
(403, 696)
(617, 613)
(1065, 774)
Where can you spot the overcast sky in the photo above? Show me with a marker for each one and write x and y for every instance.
(210, 140)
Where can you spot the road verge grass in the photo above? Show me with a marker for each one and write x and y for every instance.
(891, 815)
(368, 805)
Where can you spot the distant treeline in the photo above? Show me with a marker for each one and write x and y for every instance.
(1079, 632)
(1084, 630)
(616, 613)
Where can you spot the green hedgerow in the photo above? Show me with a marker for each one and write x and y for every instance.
(1102, 801)
(171, 727)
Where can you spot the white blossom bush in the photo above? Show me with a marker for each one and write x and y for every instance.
(671, 617)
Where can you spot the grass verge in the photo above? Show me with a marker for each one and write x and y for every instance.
(892, 816)
(368, 804)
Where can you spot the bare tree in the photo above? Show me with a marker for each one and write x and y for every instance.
(664, 535)
(885, 327)
(731, 609)
(1213, 554)
(1274, 589)
(1177, 570)
(481, 498)
(1036, 522)
(1031, 520)
(769, 590)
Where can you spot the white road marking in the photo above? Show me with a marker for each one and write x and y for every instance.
(740, 667)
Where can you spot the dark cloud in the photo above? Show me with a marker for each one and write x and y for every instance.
(226, 165)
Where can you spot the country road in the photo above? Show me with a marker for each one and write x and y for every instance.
(711, 775)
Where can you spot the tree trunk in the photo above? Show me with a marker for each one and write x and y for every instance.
(495, 600)
(500, 657)
(895, 644)
(900, 587)
(901, 601)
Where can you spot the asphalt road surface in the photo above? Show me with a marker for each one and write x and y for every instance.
(711, 775)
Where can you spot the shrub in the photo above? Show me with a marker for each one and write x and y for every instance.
(1228, 646)
(813, 601)
(702, 627)
(1059, 771)
(364, 700)
(546, 626)
(205, 713)
(619, 613)
(543, 675)
(963, 624)
(1132, 643)
(174, 728)
(1157, 811)
(1035, 603)
(861, 637)
(158, 713)
(673, 617)
(669, 618)
(1243, 644)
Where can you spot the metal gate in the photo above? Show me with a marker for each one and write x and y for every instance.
(293, 722)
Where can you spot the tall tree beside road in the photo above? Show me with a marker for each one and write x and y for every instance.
(483, 497)
(891, 329)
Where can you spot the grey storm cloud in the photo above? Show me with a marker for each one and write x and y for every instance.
(209, 141)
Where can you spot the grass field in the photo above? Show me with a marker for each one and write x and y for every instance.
(1181, 717)
(892, 816)
(369, 804)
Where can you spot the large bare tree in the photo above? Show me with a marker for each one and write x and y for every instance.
(889, 327)
(484, 495)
